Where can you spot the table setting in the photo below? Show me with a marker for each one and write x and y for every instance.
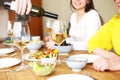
(61, 69)
(23, 61)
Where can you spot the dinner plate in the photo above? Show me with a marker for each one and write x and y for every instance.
(4, 51)
(90, 57)
(70, 77)
(26, 57)
(9, 62)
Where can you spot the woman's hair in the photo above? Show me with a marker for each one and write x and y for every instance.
(88, 6)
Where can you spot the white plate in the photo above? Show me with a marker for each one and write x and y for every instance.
(26, 57)
(63, 53)
(90, 57)
(4, 51)
(9, 62)
(70, 77)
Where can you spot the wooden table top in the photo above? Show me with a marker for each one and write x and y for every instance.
(60, 69)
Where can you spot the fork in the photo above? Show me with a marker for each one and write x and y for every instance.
(9, 55)
(88, 74)
(8, 70)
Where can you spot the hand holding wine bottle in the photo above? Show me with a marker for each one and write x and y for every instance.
(23, 6)
(35, 11)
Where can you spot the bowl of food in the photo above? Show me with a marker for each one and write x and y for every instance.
(46, 64)
(63, 49)
(34, 46)
(45, 56)
(42, 69)
(35, 38)
(76, 63)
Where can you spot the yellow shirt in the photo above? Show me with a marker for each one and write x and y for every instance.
(107, 37)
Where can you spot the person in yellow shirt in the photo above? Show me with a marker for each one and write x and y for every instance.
(106, 44)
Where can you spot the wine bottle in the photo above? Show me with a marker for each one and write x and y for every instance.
(35, 11)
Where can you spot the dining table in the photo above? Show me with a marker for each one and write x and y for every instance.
(61, 68)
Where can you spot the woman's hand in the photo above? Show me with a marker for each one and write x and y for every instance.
(103, 64)
(49, 43)
(48, 38)
(100, 64)
(107, 61)
(23, 6)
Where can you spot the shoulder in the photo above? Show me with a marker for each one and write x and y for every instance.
(73, 14)
(92, 12)
(116, 17)
(114, 20)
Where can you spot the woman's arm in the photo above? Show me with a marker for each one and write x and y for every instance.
(106, 54)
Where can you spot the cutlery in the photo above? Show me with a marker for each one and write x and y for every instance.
(15, 70)
(8, 70)
(88, 74)
(9, 55)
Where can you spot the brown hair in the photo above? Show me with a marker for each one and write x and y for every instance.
(89, 6)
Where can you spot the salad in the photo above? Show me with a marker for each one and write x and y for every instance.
(7, 41)
(44, 54)
(41, 69)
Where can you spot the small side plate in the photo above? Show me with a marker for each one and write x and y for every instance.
(9, 62)
(4, 51)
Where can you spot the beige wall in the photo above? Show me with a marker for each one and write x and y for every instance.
(61, 7)
(3, 22)
(106, 8)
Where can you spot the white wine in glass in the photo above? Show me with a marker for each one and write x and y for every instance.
(49, 26)
(59, 32)
(21, 44)
(59, 38)
(10, 33)
(21, 37)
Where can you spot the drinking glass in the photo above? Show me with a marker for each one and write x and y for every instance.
(49, 25)
(59, 32)
(21, 37)
(10, 31)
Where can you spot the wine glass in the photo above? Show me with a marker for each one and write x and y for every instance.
(21, 37)
(49, 26)
(10, 31)
(59, 32)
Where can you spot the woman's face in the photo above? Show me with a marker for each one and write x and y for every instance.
(118, 4)
(79, 4)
